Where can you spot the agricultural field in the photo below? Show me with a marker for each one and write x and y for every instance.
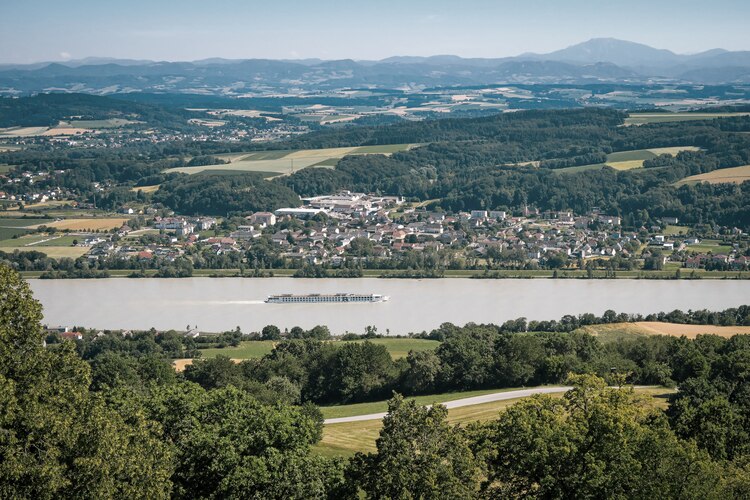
(94, 224)
(646, 118)
(613, 332)
(735, 175)
(349, 438)
(55, 252)
(146, 189)
(628, 160)
(288, 161)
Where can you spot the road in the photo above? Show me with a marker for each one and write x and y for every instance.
(458, 403)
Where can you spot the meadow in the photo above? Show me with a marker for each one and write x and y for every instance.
(735, 175)
(283, 162)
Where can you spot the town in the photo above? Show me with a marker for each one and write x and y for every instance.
(343, 233)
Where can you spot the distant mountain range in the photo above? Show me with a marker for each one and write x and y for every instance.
(599, 60)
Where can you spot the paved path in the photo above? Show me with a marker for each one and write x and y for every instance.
(458, 403)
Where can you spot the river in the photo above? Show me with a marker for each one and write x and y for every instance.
(218, 304)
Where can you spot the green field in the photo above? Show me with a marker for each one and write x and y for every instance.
(645, 118)
(253, 349)
(246, 350)
(7, 233)
(399, 348)
(23, 221)
(4, 169)
(288, 161)
(713, 246)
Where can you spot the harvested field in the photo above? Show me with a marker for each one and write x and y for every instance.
(617, 331)
(147, 189)
(98, 224)
(53, 252)
(691, 331)
(735, 175)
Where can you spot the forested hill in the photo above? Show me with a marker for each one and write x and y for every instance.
(500, 127)
(49, 109)
(482, 164)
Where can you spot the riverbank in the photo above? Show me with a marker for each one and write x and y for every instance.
(670, 274)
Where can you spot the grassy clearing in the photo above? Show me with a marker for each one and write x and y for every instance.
(246, 350)
(288, 161)
(645, 118)
(675, 230)
(346, 439)
(399, 348)
(735, 175)
(4, 169)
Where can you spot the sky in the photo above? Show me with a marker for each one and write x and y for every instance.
(186, 30)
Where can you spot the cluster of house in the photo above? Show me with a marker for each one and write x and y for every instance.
(338, 226)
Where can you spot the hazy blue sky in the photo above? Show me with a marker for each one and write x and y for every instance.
(36, 30)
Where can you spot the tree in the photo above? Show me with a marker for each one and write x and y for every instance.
(419, 455)
(228, 445)
(57, 439)
(596, 442)
(270, 332)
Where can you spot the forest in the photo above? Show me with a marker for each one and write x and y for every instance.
(108, 416)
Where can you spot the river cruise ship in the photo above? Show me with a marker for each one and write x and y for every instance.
(289, 298)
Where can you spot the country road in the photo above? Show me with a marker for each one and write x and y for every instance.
(458, 403)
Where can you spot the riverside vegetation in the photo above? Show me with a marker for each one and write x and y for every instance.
(109, 417)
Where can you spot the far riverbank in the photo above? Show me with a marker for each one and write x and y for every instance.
(668, 274)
